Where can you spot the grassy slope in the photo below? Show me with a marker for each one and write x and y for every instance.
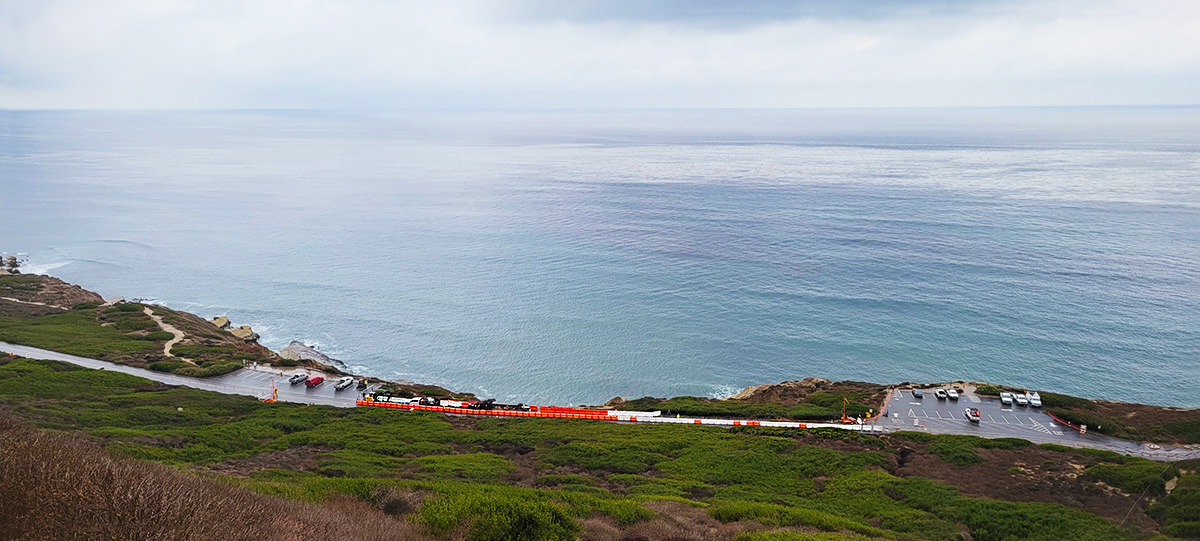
(76, 332)
(534, 478)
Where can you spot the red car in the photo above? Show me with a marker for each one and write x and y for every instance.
(314, 381)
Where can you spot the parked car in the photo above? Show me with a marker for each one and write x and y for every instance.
(362, 383)
(973, 415)
(1006, 398)
(940, 394)
(314, 381)
(1021, 400)
(298, 379)
(1035, 400)
(952, 394)
(343, 383)
(918, 394)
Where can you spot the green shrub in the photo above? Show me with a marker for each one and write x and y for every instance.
(779, 515)
(197, 352)
(91, 305)
(955, 451)
(479, 467)
(616, 459)
(493, 517)
(988, 390)
(158, 336)
(168, 366)
(1187, 530)
(124, 307)
(130, 324)
(208, 370)
(287, 362)
(1134, 476)
(1188, 431)
(784, 535)
(555, 480)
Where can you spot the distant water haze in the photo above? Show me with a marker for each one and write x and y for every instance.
(570, 257)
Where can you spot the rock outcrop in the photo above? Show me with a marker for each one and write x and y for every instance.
(298, 351)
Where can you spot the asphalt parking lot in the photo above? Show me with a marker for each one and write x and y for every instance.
(258, 381)
(946, 416)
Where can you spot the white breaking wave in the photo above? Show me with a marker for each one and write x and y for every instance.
(42, 268)
(722, 392)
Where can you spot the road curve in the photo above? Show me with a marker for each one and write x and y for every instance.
(250, 382)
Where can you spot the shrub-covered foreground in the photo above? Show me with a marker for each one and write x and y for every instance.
(540, 478)
(60, 487)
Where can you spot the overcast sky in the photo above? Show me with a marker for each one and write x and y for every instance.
(595, 54)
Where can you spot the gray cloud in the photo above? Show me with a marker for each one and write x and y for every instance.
(718, 13)
(536, 54)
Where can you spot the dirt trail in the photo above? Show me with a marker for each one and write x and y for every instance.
(166, 327)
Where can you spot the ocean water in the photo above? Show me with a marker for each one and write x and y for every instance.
(570, 257)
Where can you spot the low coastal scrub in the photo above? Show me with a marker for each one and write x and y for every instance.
(988, 390)
(550, 479)
(818, 406)
(960, 450)
(1179, 512)
(76, 332)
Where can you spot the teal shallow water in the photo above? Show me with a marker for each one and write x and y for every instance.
(572, 257)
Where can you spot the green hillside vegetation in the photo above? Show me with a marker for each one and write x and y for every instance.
(124, 334)
(454, 477)
(80, 331)
(815, 406)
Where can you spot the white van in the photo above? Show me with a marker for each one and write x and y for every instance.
(1035, 399)
(1006, 398)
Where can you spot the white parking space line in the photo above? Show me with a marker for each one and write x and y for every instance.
(973, 398)
(939, 414)
(992, 418)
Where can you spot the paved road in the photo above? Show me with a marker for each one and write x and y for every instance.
(928, 414)
(246, 382)
(903, 412)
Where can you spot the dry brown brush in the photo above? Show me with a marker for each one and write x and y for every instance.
(63, 487)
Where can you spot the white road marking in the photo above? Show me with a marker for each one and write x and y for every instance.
(992, 418)
(939, 414)
(973, 398)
